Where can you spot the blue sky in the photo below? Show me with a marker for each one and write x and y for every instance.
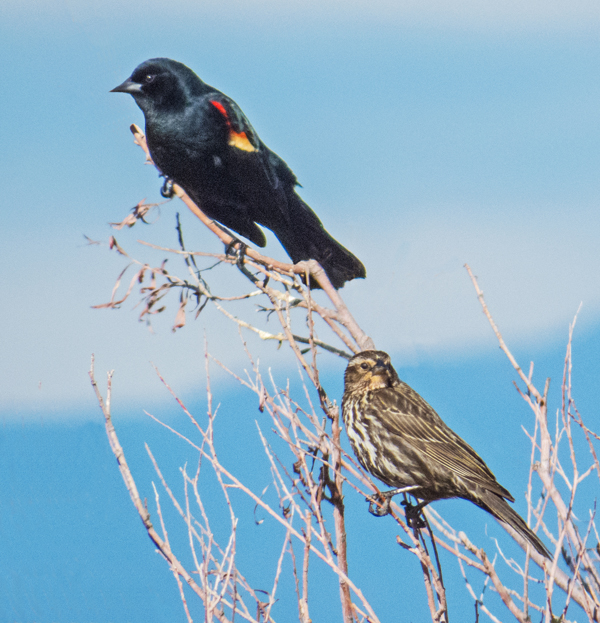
(425, 135)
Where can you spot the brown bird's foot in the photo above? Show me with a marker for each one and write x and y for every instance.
(167, 188)
(379, 505)
(414, 518)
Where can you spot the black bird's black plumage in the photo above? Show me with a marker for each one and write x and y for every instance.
(401, 440)
(202, 140)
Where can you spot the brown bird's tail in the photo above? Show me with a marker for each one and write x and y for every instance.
(307, 239)
(502, 511)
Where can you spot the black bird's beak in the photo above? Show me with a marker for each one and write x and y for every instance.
(128, 87)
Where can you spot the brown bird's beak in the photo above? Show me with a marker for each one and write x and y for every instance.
(128, 87)
(379, 368)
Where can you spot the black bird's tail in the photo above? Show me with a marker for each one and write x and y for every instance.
(307, 239)
(502, 511)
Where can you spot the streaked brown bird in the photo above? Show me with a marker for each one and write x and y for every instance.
(402, 441)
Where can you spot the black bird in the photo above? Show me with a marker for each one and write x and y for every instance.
(400, 439)
(201, 139)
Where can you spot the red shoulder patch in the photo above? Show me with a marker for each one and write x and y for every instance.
(220, 108)
(238, 140)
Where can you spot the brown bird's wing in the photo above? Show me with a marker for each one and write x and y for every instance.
(403, 412)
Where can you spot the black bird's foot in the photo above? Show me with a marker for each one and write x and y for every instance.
(167, 188)
(379, 505)
(414, 518)
(237, 249)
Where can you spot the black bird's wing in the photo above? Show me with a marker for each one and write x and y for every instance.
(243, 138)
(267, 177)
(275, 204)
(402, 412)
(241, 133)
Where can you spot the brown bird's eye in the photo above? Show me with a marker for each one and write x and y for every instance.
(364, 366)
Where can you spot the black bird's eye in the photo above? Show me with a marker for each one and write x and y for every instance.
(149, 78)
(364, 366)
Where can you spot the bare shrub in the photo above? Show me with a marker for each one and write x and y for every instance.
(311, 474)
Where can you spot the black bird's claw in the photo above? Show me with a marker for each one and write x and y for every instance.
(167, 188)
(379, 505)
(237, 249)
(413, 515)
